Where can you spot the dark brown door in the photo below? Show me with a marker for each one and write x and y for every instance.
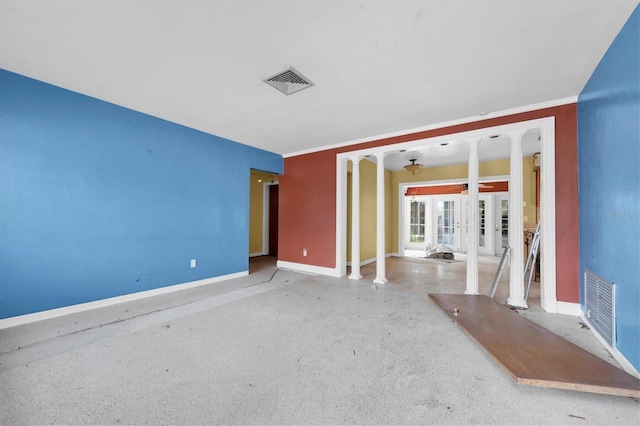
(273, 220)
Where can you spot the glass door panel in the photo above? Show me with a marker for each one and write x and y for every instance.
(417, 222)
(482, 226)
(504, 230)
(446, 223)
(485, 220)
(485, 224)
(502, 223)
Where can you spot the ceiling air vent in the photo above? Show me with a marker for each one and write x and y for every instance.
(290, 81)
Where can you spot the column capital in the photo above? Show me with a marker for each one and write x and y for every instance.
(356, 158)
(380, 155)
(517, 135)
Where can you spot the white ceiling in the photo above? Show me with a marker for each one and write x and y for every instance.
(491, 147)
(378, 66)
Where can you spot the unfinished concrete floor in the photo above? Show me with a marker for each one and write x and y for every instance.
(286, 348)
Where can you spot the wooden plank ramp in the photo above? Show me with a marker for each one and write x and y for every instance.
(531, 354)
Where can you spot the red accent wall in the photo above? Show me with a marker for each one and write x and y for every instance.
(308, 196)
(307, 216)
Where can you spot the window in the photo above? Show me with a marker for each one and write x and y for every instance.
(417, 222)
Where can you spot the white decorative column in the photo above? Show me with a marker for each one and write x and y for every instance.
(355, 219)
(516, 228)
(380, 240)
(472, 218)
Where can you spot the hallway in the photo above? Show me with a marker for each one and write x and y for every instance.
(278, 347)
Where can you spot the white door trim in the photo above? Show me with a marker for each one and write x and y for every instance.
(265, 216)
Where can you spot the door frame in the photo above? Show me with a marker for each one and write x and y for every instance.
(497, 217)
(457, 211)
(407, 245)
(265, 216)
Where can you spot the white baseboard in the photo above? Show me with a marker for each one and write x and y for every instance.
(617, 355)
(81, 307)
(373, 259)
(568, 308)
(310, 269)
(256, 254)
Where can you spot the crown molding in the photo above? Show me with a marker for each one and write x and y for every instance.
(475, 118)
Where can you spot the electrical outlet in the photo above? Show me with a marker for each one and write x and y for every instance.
(526, 218)
(304, 251)
(193, 263)
(524, 204)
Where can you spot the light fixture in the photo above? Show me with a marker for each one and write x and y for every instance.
(413, 167)
(465, 189)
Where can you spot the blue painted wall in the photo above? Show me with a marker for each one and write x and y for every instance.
(97, 200)
(609, 180)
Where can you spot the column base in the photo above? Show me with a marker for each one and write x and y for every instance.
(355, 277)
(472, 292)
(517, 303)
(381, 280)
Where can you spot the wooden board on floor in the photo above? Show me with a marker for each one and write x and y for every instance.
(531, 354)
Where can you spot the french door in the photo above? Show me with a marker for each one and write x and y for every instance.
(485, 224)
(447, 218)
(416, 222)
(501, 221)
(436, 220)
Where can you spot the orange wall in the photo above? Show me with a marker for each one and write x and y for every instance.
(308, 197)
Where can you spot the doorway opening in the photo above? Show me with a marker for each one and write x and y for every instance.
(544, 127)
(271, 219)
(263, 214)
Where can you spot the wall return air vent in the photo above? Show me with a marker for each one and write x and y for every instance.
(599, 306)
(289, 81)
